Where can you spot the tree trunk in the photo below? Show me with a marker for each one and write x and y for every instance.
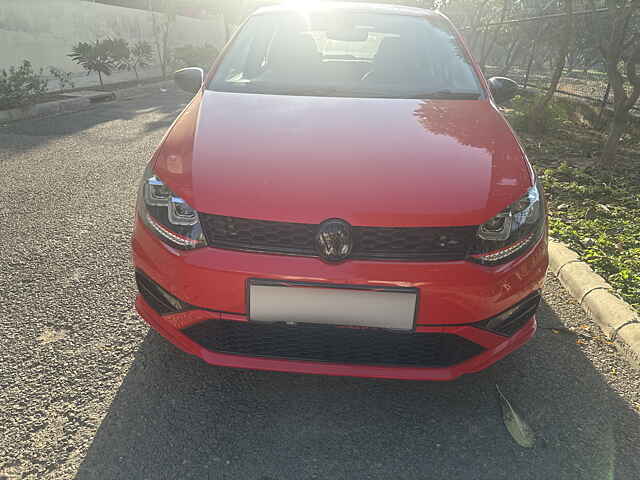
(572, 59)
(614, 52)
(616, 130)
(536, 114)
(603, 106)
(159, 37)
(165, 49)
(227, 32)
(511, 55)
(135, 70)
(100, 78)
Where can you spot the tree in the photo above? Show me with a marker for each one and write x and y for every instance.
(619, 43)
(99, 57)
(161, 31)
(584, 52)
(139, 57)
(536, 114)
(119, 50)
(487, 48)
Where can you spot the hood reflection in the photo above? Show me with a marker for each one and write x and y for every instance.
(453, 119)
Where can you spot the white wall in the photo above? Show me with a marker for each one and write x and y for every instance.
(43, 31)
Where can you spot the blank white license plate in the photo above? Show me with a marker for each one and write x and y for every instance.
(293, 302)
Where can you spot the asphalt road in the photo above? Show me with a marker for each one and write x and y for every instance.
(87, 391)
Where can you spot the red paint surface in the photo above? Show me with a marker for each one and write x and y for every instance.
(382, 162)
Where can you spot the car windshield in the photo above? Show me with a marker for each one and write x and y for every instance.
(355, 54)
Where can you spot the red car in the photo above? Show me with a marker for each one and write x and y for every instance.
(342, 196)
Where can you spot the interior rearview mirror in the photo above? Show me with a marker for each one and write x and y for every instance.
(348, 35)
(503, 88)
(189, 79)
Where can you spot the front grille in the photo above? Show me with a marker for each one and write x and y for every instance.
(258, 235)
(412, 243)
(323, 343)
(369, 243)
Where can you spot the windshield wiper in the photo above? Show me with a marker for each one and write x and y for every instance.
(447, 95)
(273, 88)
(278, 89)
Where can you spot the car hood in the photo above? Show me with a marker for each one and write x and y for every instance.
(377, 162)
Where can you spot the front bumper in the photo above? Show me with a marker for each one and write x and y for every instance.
(452, 296)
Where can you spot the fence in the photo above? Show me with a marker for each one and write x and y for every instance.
(526, 49)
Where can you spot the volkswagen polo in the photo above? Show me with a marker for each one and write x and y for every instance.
(342, 196)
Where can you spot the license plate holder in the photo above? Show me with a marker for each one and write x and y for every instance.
(356, 306)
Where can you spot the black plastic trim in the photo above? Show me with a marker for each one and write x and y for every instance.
(464, 234)
(152, 294)
(524, 310)
(186, 306)
(332, 344)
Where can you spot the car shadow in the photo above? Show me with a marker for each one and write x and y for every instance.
(176, 417)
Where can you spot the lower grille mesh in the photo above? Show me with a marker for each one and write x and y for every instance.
(320, 343)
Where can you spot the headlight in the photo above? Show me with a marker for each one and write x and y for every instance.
(513, 231)
(167, 215)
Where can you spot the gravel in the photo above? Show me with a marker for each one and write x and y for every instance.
(87, 391)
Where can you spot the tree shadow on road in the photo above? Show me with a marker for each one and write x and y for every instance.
(28, 134)
(176, 417)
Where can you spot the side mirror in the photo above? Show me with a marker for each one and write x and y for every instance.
(189, 79)
(503, 88)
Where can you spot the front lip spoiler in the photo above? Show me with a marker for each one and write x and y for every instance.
(472, 365)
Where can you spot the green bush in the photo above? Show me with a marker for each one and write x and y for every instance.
(555, 114)
(63, 78)
(21, 86)
(595, 212)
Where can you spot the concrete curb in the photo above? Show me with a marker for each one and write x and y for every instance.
(141, 89)
(77, 103)
(617, 320)
(44, 109)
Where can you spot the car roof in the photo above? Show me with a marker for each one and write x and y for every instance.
(292, 6)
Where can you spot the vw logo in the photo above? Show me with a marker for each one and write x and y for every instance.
(333, 240)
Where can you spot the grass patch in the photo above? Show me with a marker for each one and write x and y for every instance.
(593, 208)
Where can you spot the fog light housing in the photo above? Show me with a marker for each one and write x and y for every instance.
(158, 298)
(510, 321)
